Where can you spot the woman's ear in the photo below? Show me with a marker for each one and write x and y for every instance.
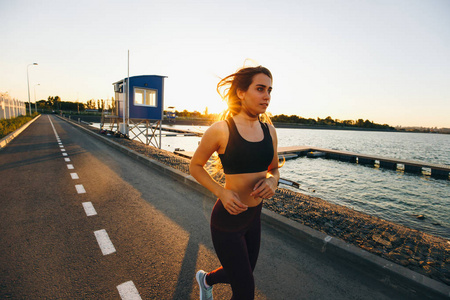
(240, 93)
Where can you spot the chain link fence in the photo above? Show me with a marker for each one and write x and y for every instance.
(11, 108)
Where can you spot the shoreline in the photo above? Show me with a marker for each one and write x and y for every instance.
(206, 122)
(202, 122)
(418, 251)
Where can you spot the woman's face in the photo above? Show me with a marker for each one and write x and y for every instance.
(257, 97)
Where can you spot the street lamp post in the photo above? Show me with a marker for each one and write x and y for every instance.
(35, 103)
(28, 82)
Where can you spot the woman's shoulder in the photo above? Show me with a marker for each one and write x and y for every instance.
(271, 127)
(218, 128)
(216, 135)
(272, 130)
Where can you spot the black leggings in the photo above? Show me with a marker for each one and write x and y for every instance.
(236, 239)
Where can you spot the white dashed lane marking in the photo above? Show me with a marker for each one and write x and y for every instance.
(104, 242)
(89, 209)
(128, 291)
(80, 189)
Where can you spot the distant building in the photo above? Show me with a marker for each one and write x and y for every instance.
(171, 114)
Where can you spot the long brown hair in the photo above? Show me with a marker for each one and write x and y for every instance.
(241, 80)
(227, 89)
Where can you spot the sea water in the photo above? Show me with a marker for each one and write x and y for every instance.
(391, 195)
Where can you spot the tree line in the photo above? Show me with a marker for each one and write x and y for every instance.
(55, 103)
(329, 121)
(294, 119)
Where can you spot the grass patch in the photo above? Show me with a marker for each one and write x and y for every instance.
(10, 125)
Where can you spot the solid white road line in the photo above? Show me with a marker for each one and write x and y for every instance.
(128, 291)
(74, 176)
(89, 209)
(80, 189)
(66, 159)
(104, 242)
(54, 130)
(70, 167)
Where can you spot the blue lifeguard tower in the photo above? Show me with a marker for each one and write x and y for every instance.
(139, 100)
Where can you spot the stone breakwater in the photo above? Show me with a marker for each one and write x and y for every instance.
(418, 251)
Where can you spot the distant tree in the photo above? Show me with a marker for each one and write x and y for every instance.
(320, 121)
(42, 104)
(348, 122)
(329, 121)
(368, 124)
(279, 118)
(50, 101)
(312, 121)
(113, 104)
(72, 106)
(54, 102)
(359, 123)
(90, 104)
(196, 114)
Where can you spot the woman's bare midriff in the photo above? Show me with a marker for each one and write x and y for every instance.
(243, 184)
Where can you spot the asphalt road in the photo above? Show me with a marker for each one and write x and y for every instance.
(148, 237)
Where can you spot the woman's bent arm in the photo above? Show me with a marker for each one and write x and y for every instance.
(265, 188)
(210, 143)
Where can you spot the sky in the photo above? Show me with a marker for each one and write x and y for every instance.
(387, 61)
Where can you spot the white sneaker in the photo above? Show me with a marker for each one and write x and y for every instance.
(205, 293)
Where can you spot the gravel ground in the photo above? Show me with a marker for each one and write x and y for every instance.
(418, 251)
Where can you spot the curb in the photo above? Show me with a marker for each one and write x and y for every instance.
(7, 139)
(385, 271)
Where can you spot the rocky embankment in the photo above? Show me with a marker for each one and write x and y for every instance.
(418, 251)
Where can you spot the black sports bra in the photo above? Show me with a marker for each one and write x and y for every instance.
(242, 156)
